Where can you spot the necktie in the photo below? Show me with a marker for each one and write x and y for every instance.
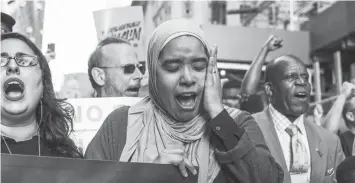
(353, 153)
(299, 155)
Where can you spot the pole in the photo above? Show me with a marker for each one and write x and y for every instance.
(292, 23)
(338, 71)
(317, 81)
(324, 101)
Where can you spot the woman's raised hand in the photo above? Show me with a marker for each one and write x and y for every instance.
(213, 86)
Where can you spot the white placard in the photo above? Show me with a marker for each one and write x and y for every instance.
(125, 23)
(90, 113)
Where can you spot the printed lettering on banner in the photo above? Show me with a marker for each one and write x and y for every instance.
(125, 23)
(90, 113)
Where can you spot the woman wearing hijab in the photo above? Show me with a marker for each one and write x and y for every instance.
(183, 121)
(33, 120)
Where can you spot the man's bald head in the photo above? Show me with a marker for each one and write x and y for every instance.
(272, 68)
(286, 83)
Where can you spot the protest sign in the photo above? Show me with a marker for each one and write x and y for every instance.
(90, 113)
(125, 23)
(33, 169)
(74, 85)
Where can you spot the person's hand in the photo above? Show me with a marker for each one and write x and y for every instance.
(176, 157)
(212, 99)
(273, 43)
(347, 89)
(318, 113)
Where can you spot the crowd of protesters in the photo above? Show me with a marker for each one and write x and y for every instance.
(183, 120)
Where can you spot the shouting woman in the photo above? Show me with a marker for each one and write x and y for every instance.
(33, 120)
(183, 121)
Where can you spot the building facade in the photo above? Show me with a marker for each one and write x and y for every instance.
(29, 16)
(216, 18)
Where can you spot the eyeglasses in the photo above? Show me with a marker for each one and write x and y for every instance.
(129, 68)
(22, 61)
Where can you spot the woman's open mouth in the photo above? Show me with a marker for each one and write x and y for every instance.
(186, 100)
(14, 89)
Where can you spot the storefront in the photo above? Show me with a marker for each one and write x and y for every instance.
(332, 45)
(238, 46)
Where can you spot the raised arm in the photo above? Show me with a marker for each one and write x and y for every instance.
(252, 77)
(331, 121)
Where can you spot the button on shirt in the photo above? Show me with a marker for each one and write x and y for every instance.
(281, 123)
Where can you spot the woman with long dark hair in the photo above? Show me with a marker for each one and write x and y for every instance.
(33, 120)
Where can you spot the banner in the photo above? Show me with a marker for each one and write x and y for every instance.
(75, 85)
(90, 113)
(33, 169)
(125, 23)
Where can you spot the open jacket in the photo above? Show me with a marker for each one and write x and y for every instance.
(325, 148)
(249, 161)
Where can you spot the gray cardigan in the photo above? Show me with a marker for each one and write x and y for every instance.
(249, 162)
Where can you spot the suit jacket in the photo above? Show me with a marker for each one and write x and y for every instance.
(325, 148)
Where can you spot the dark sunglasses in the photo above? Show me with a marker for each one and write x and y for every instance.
(22, 61)
(130, 68)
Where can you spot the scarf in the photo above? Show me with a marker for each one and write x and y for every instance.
(151, 130)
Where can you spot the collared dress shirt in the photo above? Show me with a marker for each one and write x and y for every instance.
(280, 124)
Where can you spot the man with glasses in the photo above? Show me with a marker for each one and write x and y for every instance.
(114, 70)
(7, 22)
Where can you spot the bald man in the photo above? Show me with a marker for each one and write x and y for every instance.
(305, 151)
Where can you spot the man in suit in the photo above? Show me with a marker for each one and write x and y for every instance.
(308, 153)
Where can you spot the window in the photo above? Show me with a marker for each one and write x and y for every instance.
(218, 12)
(188, 9)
